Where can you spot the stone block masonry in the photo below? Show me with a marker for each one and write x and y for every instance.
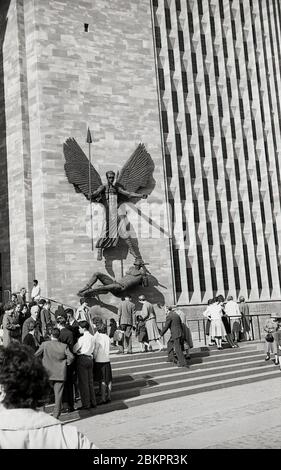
(60, 79)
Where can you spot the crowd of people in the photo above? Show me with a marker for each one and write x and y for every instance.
(227, 320)
(74, 347)
(147, 331)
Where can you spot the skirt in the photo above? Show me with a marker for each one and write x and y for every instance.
(246, 322)
(152, 329)
(102, 372)
(217, 328)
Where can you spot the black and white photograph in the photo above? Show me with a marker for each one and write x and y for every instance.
(140, 228)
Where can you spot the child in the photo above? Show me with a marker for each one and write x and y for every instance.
(102, 367)
(113, 328)
(277, 341)
(270, 328)
(141, 333)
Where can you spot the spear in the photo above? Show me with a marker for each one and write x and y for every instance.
(89, 141)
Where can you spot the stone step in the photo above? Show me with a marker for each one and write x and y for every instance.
(146, 378)
(195, 352)
(143, 380)
(153, 396)
(119, 403)
(185, 379)
(161, 363)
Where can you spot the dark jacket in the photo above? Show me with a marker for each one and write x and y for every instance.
(25, 330)
(74, 328)
(66, 337)
(45, 319)
(126, 312)
(12, 324)
(30, 341)
(141, 332)
(173, 322)
(56, 356)
(112, 328)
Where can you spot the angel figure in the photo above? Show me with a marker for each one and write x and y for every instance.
(134, 176)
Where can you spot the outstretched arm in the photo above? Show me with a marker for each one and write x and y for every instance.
(96, 193)
(128, 194)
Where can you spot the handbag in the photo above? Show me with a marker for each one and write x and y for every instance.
(118, 335)
(269, 338)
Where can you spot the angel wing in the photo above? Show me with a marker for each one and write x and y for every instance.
(137, 171)
(77, 168)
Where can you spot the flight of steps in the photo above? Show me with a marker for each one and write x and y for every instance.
(142, 378)
(148, 377)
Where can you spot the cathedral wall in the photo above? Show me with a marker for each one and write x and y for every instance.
(104, 79)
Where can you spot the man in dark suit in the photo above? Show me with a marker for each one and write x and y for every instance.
(34, 311)
(56, 357)
(174, 323)
(22, 296)
(73, 326)
(66, 337)
(126, 313)
(45, 315)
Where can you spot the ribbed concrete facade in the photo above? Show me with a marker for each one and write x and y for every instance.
(219, 87)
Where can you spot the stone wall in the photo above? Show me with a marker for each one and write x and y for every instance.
(4, 213)
(69, 80)
(18, 152)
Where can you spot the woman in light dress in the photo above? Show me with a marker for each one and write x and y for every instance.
(149, 316)
(214, 313)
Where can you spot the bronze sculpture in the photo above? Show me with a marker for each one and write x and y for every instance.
(135, 175)
(136, 275)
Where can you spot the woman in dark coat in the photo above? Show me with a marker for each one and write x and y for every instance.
(141, 333)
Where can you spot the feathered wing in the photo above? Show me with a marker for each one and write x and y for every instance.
(77, 168)
(137, 171)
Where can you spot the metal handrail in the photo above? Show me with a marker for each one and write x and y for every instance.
(201, 331)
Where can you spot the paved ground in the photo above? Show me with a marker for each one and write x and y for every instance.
(245, 416)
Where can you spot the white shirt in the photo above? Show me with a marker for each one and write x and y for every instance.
(85, 344)
(232, 309)
(24, 428)
(35, 293)
(82, 314)
(102, 346)
(214, 312)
